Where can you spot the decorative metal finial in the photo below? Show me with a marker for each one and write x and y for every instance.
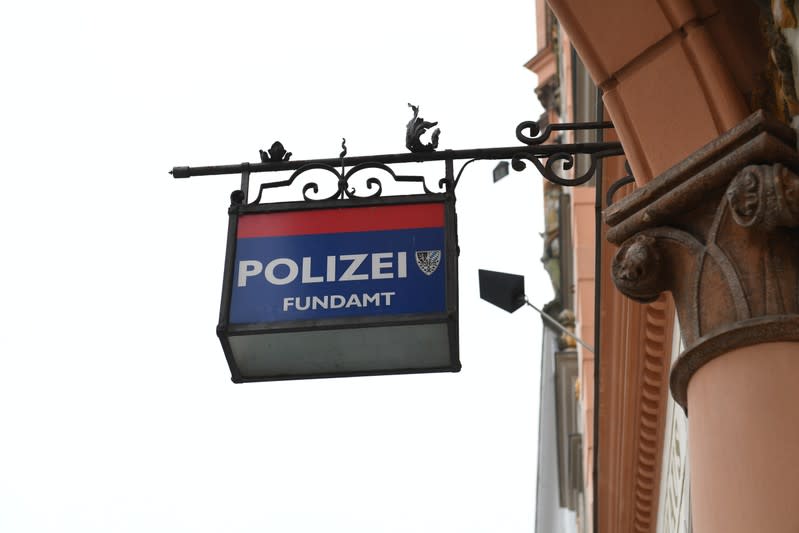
(275, 153)
(342, 180)
(414, 131)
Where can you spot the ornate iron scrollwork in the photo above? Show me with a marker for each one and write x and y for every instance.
(343, 180)
(560, 161)
(553, 161)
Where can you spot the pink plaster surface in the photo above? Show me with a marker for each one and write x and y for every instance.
(743, 419)
(583, 199)
(583, 237)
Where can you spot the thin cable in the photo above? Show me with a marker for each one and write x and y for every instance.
(559, 326)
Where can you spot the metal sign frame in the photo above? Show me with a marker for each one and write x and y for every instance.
(226, 330)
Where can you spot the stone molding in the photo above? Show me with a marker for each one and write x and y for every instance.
(720, 232)
(650, 422)
(634, 381)
(638, 347)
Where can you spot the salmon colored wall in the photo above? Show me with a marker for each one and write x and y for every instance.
(675, 73)
(582, 199)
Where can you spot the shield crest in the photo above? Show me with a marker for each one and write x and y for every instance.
(428, 260)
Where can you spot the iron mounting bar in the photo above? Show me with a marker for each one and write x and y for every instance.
(553, 160)
(545, 150)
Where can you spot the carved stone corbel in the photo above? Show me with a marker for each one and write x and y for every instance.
(720, 232)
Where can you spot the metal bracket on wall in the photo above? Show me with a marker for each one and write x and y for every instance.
(552, 160)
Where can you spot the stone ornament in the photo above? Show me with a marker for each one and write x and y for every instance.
(765, 196)
(720, 231)
(567, 319)
(636, 269)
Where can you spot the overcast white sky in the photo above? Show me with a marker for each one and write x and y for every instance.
(116, 408)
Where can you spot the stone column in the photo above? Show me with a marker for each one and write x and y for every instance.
(720, 231)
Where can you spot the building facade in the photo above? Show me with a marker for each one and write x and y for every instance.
(698, 270)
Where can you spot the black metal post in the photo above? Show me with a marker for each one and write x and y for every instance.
(600, 110)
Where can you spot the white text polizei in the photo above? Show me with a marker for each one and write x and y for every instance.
(351, 267)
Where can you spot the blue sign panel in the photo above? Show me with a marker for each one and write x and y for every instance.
(333, 263)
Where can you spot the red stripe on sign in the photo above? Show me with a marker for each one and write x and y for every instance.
(344, 220)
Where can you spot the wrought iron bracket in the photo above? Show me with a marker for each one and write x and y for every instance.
(553, 161)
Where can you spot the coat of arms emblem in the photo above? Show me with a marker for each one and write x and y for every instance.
(428, 260)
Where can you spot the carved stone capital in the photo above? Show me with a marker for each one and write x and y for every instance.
(720, 231)
(766, 196)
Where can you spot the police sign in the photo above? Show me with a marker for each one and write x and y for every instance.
(339, 289)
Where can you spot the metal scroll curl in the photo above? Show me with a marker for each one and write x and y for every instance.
(312, 185)
(350, 190)
(348, 184)
(618, 184)
(550, 171)
(538, 136)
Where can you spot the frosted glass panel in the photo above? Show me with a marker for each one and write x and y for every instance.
(342, 351)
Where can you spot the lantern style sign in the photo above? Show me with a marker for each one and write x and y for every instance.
(330, 289)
